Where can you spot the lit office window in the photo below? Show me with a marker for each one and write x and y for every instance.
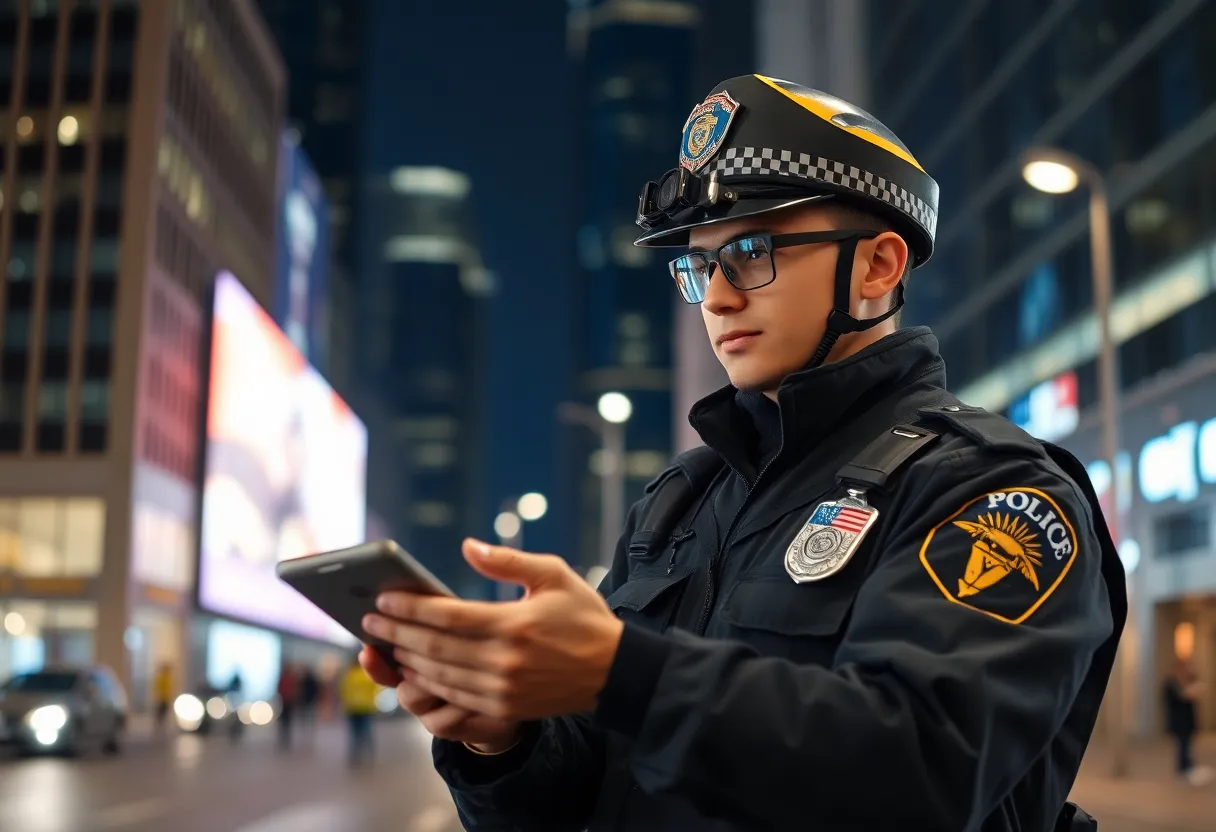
(83, 536)
(42, 537)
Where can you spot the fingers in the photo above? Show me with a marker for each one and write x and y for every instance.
(446, 722)
(467, 679)
(503, 563)
(488, 705)
(377, 668)
(449, 614)
(416, 700)
(424, 641)
(438, 717)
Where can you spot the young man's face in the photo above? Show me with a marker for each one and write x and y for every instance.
(762, 335)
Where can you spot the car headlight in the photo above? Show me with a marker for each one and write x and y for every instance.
(189, 711)
(47, 718)
(217, 707)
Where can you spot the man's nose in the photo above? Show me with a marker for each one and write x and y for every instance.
(721, 296)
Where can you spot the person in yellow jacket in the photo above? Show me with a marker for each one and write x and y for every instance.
(162, 694)
(358, 694)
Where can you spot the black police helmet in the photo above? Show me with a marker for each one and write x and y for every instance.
(757, 144)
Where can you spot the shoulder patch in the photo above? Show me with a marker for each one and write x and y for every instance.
(1002, 554)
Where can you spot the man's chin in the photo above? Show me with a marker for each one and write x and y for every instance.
(754, 381)
(750, 373)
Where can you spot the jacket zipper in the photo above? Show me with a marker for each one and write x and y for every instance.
(676, 540)
(710, 589)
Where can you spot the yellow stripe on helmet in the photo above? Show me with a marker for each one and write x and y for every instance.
(826, 113)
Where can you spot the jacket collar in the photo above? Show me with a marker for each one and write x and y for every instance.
(812, 404)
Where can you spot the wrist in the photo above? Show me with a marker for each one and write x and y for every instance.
(498, 746)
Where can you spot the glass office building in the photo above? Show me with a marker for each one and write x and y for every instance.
(1130, 87)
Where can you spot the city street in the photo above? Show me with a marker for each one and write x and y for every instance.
(196, 784)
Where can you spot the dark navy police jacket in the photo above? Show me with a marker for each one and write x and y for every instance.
(938, 681)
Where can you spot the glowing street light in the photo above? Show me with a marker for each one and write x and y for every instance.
(507, 525)
(532, 506)
(14, 624)
(1050, 177)
(608, 420)
(615, 408)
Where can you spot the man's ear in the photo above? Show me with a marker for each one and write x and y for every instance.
(885, 259)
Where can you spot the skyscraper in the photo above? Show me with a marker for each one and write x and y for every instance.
(139, 156)
(634, 92)
(422, 346)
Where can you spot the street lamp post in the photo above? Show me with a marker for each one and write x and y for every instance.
(608, 421)
(1055, 171)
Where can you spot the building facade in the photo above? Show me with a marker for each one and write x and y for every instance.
(322, 44)
(1165, 489)
(1129, 88)
(138, 159)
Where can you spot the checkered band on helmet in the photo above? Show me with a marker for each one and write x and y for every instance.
(752, 161)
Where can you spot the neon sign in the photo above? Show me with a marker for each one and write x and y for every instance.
(1049, 411)
(1173, 465)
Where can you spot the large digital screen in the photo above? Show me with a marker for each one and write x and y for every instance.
(285, 470)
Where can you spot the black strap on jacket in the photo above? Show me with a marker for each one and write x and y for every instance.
(693, 471)
(882, 458)
(689, 478)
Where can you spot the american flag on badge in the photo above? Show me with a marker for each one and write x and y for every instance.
(845, 518)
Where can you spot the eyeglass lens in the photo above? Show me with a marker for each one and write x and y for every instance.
(747, 264)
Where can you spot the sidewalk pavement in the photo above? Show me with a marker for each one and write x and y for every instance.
(1150, 798)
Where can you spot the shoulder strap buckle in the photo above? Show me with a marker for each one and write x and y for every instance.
(883, 457)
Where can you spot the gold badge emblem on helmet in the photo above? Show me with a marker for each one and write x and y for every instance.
(1004, 544)
(700, 132)
(706, 129)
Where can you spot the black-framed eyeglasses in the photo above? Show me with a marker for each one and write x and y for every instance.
(747, 262)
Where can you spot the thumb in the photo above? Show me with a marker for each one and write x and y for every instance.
(502, 563)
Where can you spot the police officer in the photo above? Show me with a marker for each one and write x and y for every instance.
(869, 607)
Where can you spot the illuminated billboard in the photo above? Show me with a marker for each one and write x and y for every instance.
(285, 471)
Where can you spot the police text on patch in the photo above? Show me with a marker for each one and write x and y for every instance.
(1054, 528)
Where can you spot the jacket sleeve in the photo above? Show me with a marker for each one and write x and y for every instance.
(965, 651)
(551, 780)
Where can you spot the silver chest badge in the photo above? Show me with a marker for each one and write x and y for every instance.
(829, 538)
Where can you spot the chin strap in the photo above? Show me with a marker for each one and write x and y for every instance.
(840, 322)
